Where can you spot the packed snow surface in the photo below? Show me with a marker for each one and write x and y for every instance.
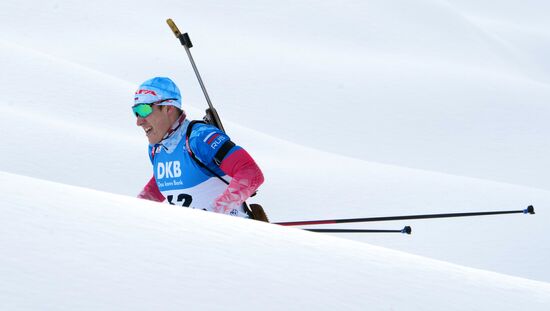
(71, 248)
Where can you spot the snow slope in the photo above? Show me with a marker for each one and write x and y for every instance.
(353, 109)
(103, 251)
(432, 88)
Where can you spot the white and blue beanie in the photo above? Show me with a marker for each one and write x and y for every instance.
(157, 89)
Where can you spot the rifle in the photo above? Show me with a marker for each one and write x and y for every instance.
(211, 116)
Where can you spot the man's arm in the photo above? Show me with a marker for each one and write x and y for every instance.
(216, 150)
(246, 178)
(151, 192)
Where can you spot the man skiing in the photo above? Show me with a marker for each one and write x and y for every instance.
(195, 164)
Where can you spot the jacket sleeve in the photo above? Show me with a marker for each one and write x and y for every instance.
(246, 178)
(208, 143)
(151, 191)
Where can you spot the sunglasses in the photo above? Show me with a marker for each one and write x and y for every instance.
(144, 110)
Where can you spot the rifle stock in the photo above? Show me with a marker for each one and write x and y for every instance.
(213, 118)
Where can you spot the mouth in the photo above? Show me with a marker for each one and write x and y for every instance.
(148, 131)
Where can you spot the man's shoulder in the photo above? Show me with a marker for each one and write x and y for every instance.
(206, 139)
(202, 131)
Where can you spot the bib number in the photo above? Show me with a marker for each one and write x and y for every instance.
(182, 199)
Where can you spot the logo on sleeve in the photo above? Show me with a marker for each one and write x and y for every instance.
(214, 140)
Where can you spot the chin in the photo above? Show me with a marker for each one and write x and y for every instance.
(153, 141)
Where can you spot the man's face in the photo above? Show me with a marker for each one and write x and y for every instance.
(156, 124)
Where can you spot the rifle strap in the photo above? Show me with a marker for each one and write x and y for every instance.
(192, 154)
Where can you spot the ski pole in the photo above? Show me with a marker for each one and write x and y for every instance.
(528, 210)
(212, 116)
(406, 230)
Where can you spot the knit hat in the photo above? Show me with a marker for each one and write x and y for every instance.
(157, 89)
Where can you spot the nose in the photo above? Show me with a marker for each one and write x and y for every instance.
(139, 120)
